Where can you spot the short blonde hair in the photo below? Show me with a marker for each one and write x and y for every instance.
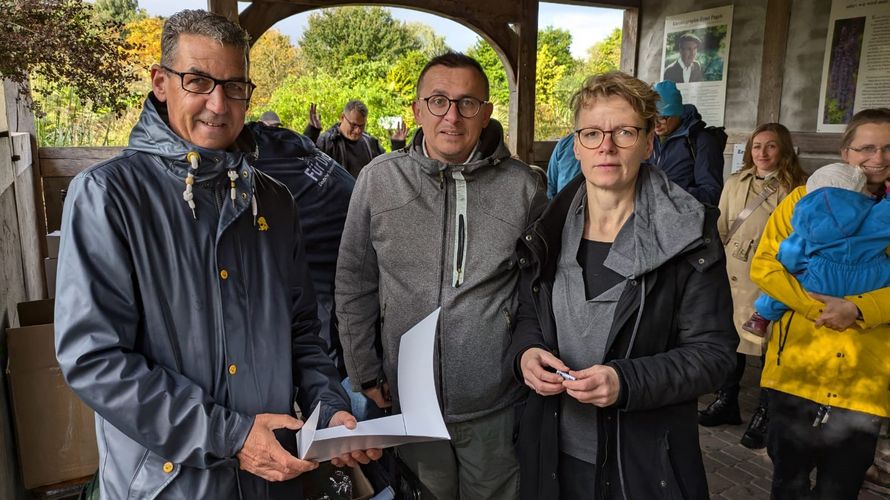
(638, 94)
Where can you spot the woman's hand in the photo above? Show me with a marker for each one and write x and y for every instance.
(598, 385)
(838, 314)
(534, 364)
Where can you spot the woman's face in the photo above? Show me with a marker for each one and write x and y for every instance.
(875, 166)
(765, 152)
(609, 167)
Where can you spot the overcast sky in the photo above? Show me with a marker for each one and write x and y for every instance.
(588, 25)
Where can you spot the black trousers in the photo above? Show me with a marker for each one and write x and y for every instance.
(840, 449)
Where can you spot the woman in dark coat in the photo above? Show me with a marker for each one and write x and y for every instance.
(624, 290)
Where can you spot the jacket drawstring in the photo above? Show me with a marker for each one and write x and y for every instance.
(460, 230)
(233, 176)
(193, 158)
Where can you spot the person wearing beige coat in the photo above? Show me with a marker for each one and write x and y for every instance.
(770, 171)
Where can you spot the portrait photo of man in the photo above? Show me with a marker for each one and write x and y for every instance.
(686, 68)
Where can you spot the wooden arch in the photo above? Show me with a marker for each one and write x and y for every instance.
(511, 27)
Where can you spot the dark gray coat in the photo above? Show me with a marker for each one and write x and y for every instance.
(671, 340)
(175, 359)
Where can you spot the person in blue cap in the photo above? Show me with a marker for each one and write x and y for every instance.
(691, 156)
(563, 165)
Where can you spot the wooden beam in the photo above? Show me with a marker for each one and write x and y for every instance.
(227, 8)
(522, 93)
(258, 17)
(498, 12)
(629, 37)
(772, 66)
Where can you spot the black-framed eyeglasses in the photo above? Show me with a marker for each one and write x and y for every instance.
(662, 119)
(353, 125)
(870, 150)
(439, 105)
(622, 137)
(196, 83)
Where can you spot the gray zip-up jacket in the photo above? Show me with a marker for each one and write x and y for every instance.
(178, 328)
(422, 234)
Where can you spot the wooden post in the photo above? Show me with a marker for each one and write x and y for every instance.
(629, 47)
(522, 99)
(228, 8)
(772, 66)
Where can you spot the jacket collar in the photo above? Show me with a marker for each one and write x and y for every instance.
(490, 150)
(153, 135)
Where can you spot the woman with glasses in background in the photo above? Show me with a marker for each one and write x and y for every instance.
(826, 363)
(769, 172)
(624, 316)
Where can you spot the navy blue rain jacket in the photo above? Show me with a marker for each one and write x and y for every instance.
(700, 172)
(177, 330)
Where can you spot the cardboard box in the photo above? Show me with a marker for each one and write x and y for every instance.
(50, 266)
(52, 244)
(55, 431)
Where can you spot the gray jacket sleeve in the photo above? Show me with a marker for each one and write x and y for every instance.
(356, 287)
(97, 322)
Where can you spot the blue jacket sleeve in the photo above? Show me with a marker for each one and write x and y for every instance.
(553, 173)
(97, 327)
(793, 253)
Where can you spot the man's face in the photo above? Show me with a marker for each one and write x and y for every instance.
(665, 125)
(352, 124)
(688, 51)
(451, 138)
(211, 121)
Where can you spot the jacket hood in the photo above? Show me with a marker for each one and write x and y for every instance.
(153, 135)
(666, 222)
(689, 119)
(829, 214)
(490, 151)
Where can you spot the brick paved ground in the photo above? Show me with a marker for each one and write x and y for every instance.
(735, 472)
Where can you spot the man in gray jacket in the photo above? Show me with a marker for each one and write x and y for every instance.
(435, 225)
(185, 315)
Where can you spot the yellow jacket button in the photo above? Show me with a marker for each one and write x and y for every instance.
(168, 467)
(233, 369)
(224, 274)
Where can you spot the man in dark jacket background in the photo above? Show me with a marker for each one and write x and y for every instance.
(185, 316)
(347, 143)
(690, 156)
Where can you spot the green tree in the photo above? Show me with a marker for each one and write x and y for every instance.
(605, 55)
(560, 43)
(431, 43)
(333, 35)
(497, 79)
(118, 11)
(64, 42)
(272, 59)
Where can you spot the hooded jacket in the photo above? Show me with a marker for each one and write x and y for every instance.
(699, 172)
(671, 340)
(177, 328)
(422, 234)
(839, 241)
(847, 369)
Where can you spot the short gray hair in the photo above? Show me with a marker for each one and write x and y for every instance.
(201, 23)
(356, 105)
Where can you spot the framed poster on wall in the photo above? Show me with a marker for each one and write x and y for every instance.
(695, 55)
(856, 67)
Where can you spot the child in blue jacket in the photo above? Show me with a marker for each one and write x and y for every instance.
(839, 243)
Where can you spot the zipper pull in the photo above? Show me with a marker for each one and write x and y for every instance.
(827, 414)
(441, 179)
(820, 414)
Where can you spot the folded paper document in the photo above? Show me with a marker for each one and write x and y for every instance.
(419, 421)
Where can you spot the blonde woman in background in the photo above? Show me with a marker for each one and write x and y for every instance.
(770, 171)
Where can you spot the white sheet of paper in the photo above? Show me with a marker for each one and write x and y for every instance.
(419, 421)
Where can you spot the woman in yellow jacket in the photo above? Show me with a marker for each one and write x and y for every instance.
(826, 362)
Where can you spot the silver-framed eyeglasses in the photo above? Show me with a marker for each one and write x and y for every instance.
(871, 150)
(622, 137)
(196, 83)
(439, 105)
